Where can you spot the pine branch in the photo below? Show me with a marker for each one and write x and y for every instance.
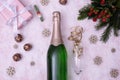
(116, 31)
(83, 13)
(95, 0)
(106, 34)
(101, 25)
(113, 22)
(118, 3)
(119, 26)
(96, 4)
(116, 22)
(111, 1)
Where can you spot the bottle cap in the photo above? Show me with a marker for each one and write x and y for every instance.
(56, 15)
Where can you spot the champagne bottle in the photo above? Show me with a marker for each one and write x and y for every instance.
(57, 55)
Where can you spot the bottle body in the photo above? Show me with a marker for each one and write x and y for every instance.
(57, 55)
(57, 63)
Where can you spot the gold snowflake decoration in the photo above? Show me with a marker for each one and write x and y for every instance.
(46, 33)
(11, 71)
(93, 39)
(98, 60)
(114, 73)
(44, 2)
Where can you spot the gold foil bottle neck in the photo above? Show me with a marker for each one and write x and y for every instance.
(56, 36)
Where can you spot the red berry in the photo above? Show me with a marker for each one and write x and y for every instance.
(96, 12)
(102, 12)
(104, 20)
(106, 11)
(94, 19)
(91, 9)
(99, 16)
(108, 16)
(89, 14)
(102, 2)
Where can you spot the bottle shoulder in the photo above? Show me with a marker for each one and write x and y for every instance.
(61, 46)
(57, 49)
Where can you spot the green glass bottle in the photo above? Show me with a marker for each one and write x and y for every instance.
(57, 55)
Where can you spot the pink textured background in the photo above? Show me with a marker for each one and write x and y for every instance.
(33, 34)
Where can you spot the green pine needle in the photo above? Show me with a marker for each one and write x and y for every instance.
(118, 3)
(106, 34)
(101, 25)
(116, 31)
(95, 0)
(83, 13)
(116, 22)
(113, 23)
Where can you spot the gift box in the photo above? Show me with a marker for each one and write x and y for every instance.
(7, 10)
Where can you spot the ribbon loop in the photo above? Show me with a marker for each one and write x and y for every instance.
(13, 21)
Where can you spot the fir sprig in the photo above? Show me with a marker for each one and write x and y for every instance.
(101, 25)
(106, 34)
(108, 13)
(83, 13)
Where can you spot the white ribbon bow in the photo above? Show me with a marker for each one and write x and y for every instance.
(13, 21)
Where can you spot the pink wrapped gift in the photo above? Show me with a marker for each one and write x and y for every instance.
(7, 11)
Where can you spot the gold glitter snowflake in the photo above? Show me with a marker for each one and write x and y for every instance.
(11, 71)
(44, 2)
(93, 39)
(46, 33)
(98, 60)
(114, 73)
